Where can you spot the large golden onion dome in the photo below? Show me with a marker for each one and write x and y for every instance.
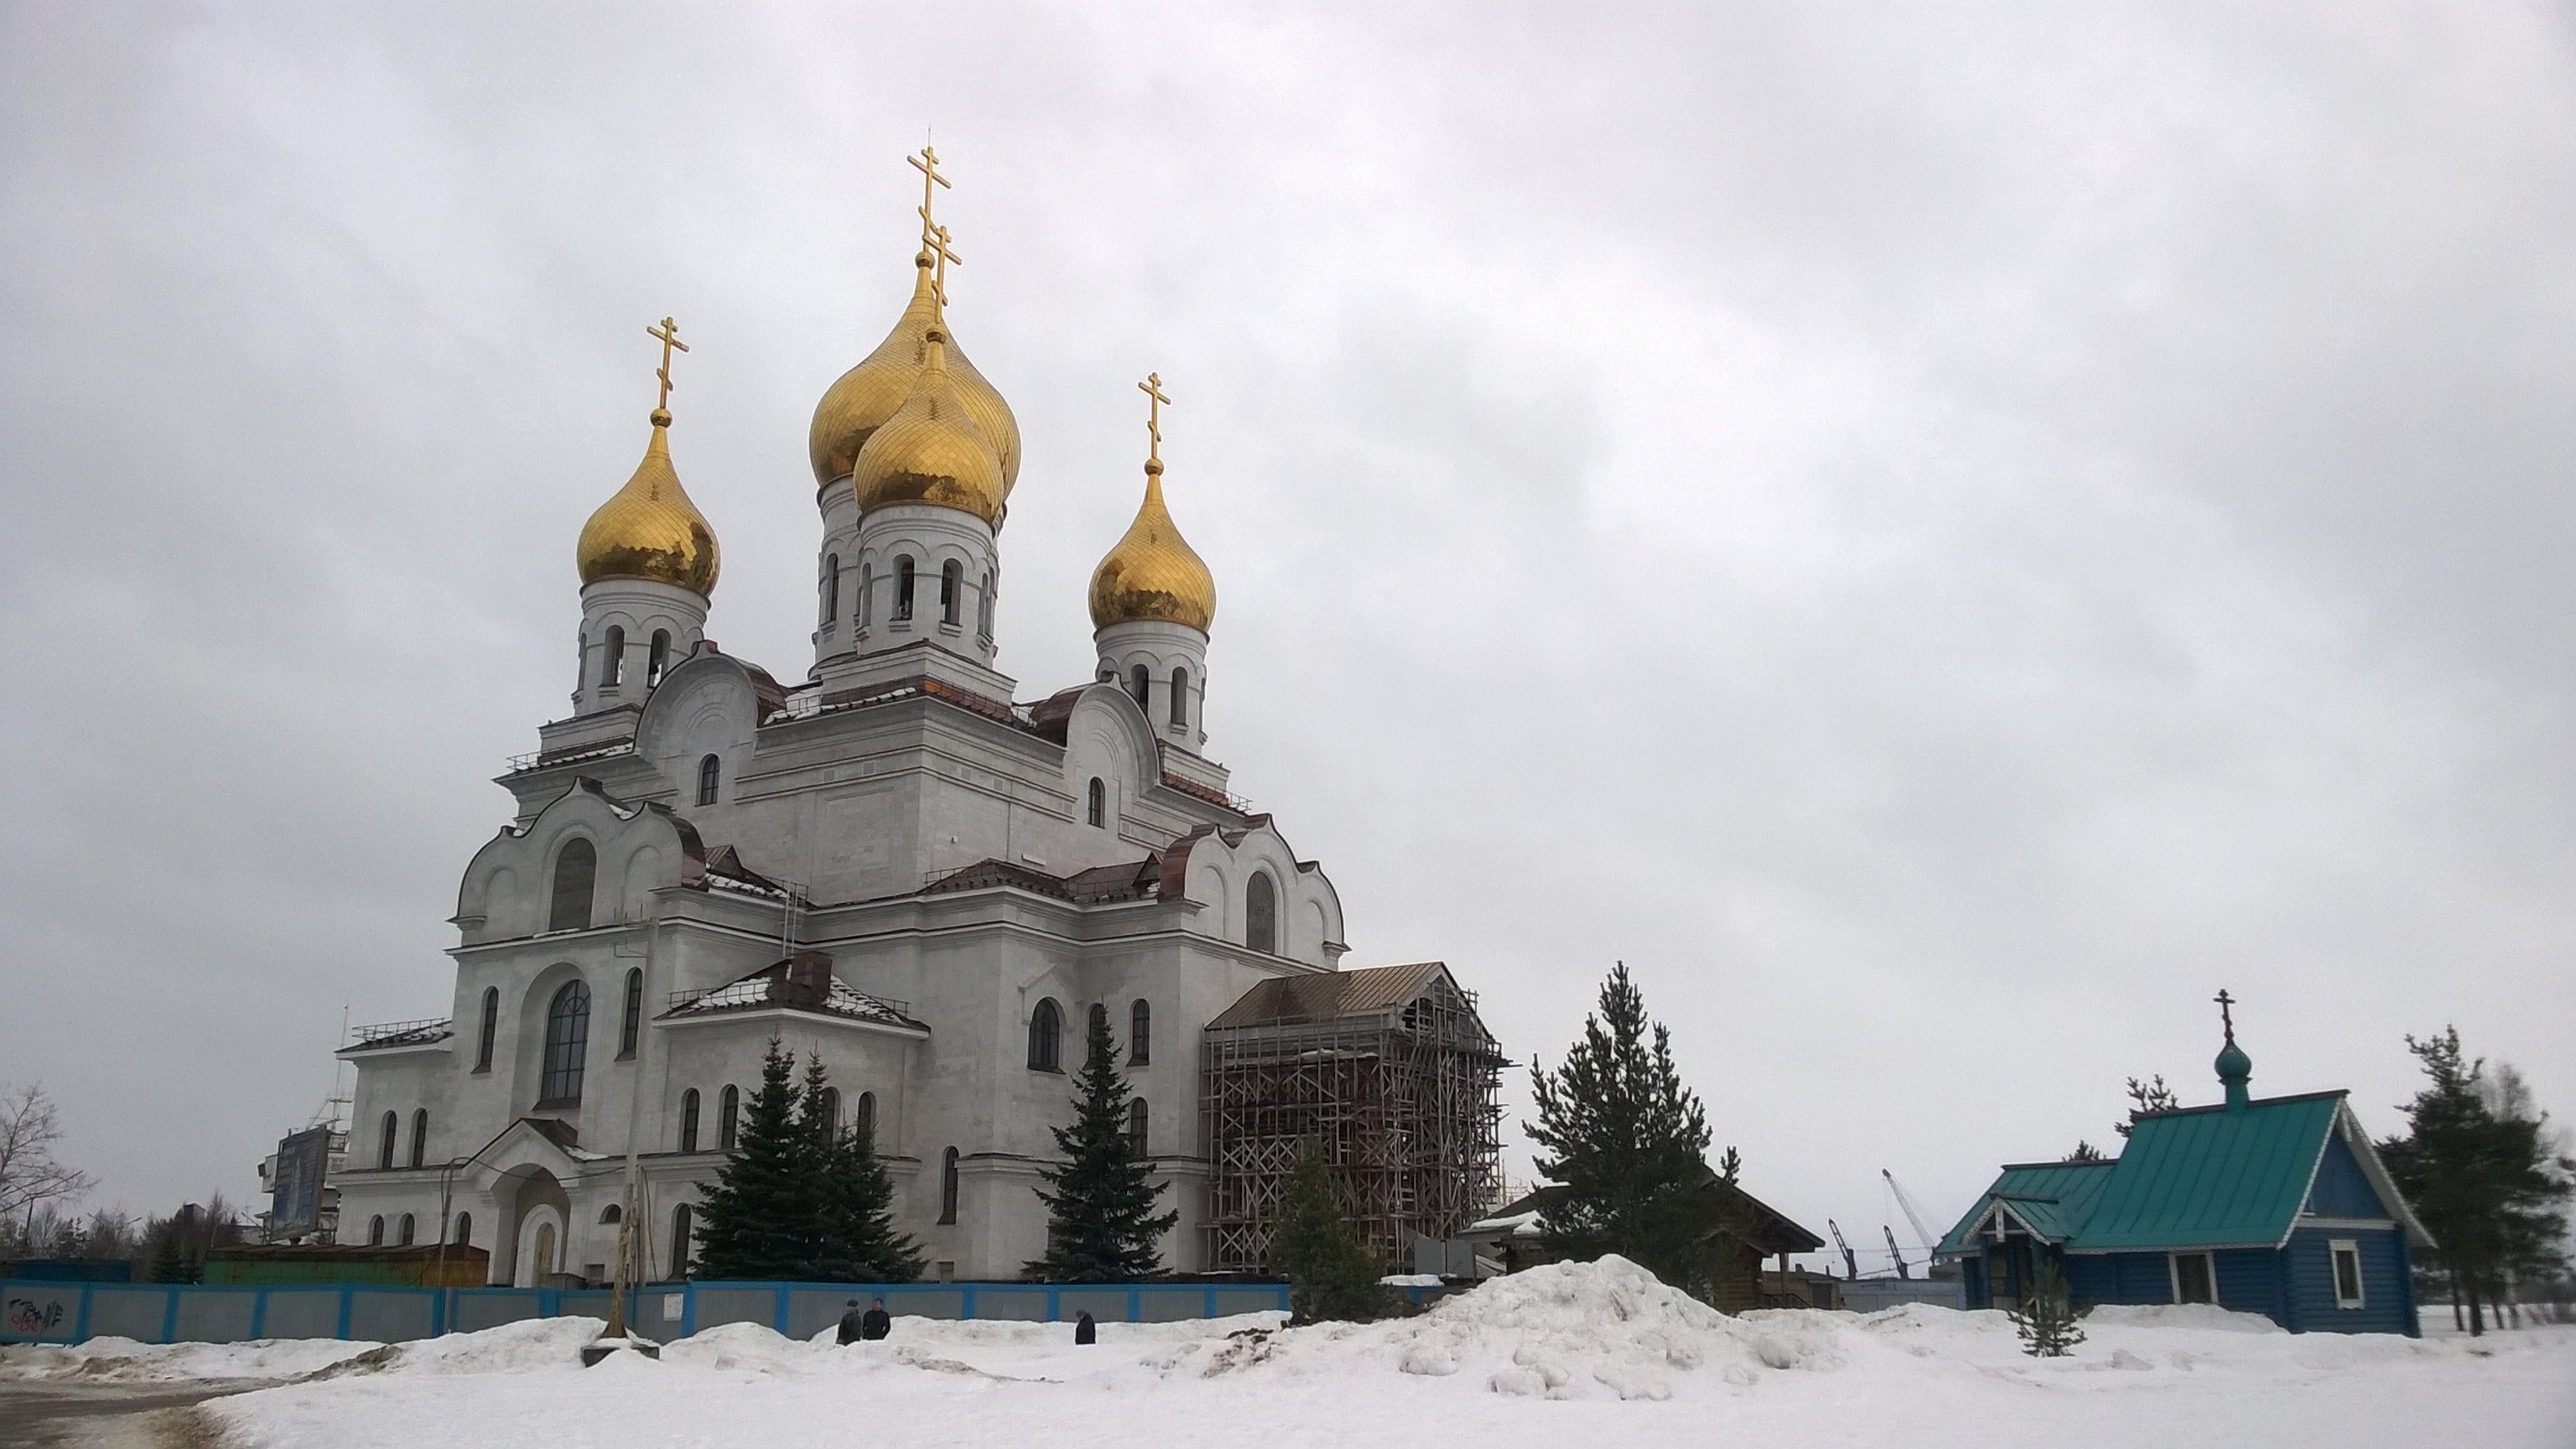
(931, 451)
(1153, 573)
(650, 529)
(868, 394)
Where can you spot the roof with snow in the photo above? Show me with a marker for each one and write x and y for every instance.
(802, 982)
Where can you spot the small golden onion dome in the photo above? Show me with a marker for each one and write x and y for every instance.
(1153, 573)
(650, 529)
(868, 394)
(930, 451)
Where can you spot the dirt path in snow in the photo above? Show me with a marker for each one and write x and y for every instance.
(42, 1415)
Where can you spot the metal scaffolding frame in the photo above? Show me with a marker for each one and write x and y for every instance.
(1396, 1077)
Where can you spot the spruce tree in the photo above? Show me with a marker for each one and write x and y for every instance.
(1625, 1138)
(2046, 1319)
(1329, 1271)
(855, 1203)
(2486, 1187)
(757, 1221)
(1101, 1224)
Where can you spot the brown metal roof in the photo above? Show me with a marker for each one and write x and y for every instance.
(1367, 991)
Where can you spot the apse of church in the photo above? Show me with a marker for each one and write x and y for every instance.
(894, 864)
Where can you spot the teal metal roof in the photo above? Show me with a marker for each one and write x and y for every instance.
(2202, 1177)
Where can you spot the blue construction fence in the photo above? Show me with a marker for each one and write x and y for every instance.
(53, 1311)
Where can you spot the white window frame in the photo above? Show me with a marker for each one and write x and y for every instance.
(2335, 1249)
(2173, 1268)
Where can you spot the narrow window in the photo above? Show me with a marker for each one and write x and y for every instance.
(491, 1024)
(728, 1117)
(867, 1123)
(710, 774)
(612, 656)
(2193, 1280)
(567, 1046)
(657, 658)
(832, 1110)
(376, 1231)
(867, 592)
(1098, 1031)
(1140, 1033)
(576, 870)
(2346, 1253)
(1140, 682)
(1261, 915)
(464, 1229)
(419, 1135)
(1136, 1128)
(952, 574)
(689, 1120)
(984, 608)
(403, 1230)
(385, 1143)
(948, 1186)
(1046, 1036)
(581, 659)
(1180, 698)
(1097, 810)
(682, 1240)
(903, 589)
(831, 587)
(631, 1024)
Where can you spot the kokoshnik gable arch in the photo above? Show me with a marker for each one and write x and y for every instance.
(892, 864)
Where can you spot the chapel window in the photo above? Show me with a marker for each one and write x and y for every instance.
(419, 1135)
(1046, 1037)
(728, 1117)
(464, 1229)
(1261, 915)
(831, 587)
(491, 1024)
(403, 1230)
(689, 1120)
(376, 1231)
(682, 1240)
(984, 608)
(903, 572)
(1096, 808)
(576, 871)
(866, 1127)
(948, 1186)
(1180, 698)
(657, 658)
(832, 1111)
(612, 656)
(385, 1142)
(630, 1023)
(611, 1215)
(710, 773)
(1136, 1128)
(1099, 1031)
(1140, 1033)
(952, 577)
(567, 1046)
(867, 593)
(1140, 682)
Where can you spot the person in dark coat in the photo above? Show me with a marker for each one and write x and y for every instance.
(876, 1323)
(1084, 1330)
(854, 1324)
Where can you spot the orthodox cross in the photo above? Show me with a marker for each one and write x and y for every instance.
(1152, 388)
(2226, 1017)
(669, 333)
(936, 241)
(934, 237)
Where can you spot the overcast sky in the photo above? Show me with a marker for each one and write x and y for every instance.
(1941, 539)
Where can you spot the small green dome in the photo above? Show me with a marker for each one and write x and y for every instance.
(2233, 1064)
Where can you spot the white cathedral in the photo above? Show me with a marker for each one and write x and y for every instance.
(892, 865)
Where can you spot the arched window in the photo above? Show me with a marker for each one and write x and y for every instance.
(612, 656)
(1180, 698)
(1098, 1030)
(832, 1110)
(376, 1231)
(491, 1024)
(576, 870)
(866, 1127)
(683, 1240)
(419, 1135)
(984, 608)
(404, 1230)
(728, 1117)
(657, 658)
(1046, 1037)
(903, 589)
(1261, 915)
(952, 577)
(611, 1215)
(689, 1120)
(1140, 1033)
(567, 1045)
(710, 774)
(464, 1229)
(1136, 1128)
(1097, 808)
(948, 1186)
(385, 1142)
(630, 1023)
(1140, 682)
(831, 587)
(867, 593)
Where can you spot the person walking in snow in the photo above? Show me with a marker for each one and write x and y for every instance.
(1084, 1330)
(876, 1323)
(854, 1324)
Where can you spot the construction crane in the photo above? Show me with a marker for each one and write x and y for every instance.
(1851, 1260)
(1913, 1214)
(1894, 1251)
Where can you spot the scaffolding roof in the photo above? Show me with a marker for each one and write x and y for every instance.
(1335, 995)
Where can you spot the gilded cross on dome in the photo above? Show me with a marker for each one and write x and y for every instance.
(669, 333)
(934, 237)
(1152, 388)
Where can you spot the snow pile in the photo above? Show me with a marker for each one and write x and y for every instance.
(528, 1346)
(125, 1360)
(2205, 1317)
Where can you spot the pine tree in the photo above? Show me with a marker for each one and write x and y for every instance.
(2046, 1319)
(1101, 1225)
(2486, 1187)
(2146, 1097)
(1329, 1271)
(758, 1219)
(855, 1203)
(1625, 1138)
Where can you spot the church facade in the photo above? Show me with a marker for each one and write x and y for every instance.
(894, 865)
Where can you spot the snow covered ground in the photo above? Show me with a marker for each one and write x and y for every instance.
(1578, 1356)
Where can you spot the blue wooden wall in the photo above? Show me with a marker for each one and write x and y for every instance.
(2388, 1303)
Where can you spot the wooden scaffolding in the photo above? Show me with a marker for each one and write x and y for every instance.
(1390, 1069)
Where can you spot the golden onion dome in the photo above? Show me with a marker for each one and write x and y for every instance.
(868, 395)
(650, 529)
(931, 451)
(1153, 573)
